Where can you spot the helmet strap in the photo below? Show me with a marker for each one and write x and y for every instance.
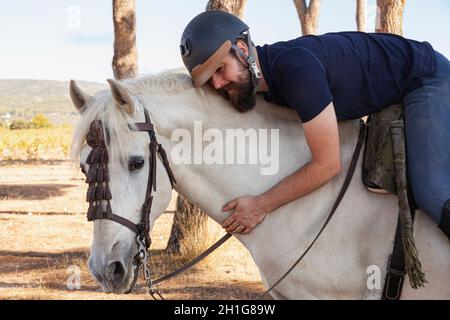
(251, 61)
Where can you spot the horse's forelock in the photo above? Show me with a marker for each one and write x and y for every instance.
(102, 107)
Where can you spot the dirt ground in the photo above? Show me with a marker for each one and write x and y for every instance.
(44, 237)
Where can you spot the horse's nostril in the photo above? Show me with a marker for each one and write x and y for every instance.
(117, 272)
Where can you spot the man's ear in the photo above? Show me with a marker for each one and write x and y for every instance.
(242, 46)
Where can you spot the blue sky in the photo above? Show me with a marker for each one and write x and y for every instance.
(61, 40)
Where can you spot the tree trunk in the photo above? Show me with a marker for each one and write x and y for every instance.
(308, 14)
(390, 16)
(361, 15)
(189, 233)
(124, 62)
(235, 7)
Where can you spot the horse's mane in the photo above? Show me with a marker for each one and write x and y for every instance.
(169, 80)
(100, 107)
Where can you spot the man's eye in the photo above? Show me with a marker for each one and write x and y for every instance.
(135, 163)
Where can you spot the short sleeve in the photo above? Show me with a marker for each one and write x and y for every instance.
(302, 81)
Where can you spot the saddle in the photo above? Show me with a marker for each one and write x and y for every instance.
(379, 174)
(384, 171)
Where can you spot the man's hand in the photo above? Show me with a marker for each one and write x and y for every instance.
(248, 213)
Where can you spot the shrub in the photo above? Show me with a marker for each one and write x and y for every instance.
(40, 121)
(19, 124)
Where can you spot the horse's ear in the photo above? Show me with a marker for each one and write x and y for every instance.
(122, 96)
(79, 98)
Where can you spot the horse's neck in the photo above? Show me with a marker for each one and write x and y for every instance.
(210, 186)
(179, 109)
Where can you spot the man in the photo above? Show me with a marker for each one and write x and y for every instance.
(327, 78)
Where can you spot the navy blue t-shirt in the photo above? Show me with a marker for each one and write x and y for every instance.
(361, 73)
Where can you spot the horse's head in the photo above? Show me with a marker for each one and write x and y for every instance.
(116, 159)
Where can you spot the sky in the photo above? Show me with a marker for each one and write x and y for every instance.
(73, 39)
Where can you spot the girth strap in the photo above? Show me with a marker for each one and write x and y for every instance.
(396, 269)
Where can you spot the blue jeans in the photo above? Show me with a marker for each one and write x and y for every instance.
(427, 121)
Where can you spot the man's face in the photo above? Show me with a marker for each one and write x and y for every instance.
(233, 78)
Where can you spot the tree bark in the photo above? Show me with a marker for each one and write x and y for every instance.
(124, 62)
(236, 7)
(361, 15)
(308, 15)
(390, 16)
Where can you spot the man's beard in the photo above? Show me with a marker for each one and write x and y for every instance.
(243, 98)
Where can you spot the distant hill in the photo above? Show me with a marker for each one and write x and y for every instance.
(24, 98)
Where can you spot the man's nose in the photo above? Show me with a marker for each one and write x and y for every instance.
(217, 81)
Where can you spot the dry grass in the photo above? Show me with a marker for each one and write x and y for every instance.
(42, 188)
(35, 144)
(36, 250)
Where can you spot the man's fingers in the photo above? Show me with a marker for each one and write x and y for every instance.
(230, 205)
(233, 227)
(227, 207)
(228, 221)
(241, 229)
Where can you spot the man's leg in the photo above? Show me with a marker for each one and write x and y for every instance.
(427, 118)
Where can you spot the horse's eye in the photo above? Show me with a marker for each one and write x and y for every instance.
(135, 163)
(83, 168)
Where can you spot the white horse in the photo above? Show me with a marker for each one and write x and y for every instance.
(347, 262)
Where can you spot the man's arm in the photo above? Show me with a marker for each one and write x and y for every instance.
(322, 136)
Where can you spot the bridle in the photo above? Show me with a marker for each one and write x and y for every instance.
(98, 192)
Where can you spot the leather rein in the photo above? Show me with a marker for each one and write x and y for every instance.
(98, 193)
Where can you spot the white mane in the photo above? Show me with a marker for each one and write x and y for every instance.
(100, 107)
(170, 80)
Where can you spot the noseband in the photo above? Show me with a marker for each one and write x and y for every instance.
(98, 177)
